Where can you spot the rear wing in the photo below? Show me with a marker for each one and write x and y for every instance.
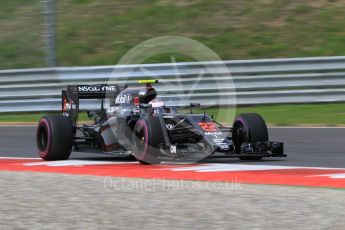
(71, 96)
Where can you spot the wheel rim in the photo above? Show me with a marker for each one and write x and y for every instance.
(42, 141)
(141, 140)
(240, 133)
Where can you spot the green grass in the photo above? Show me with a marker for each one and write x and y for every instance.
(332, 114)
(295, 114)
(93, 32)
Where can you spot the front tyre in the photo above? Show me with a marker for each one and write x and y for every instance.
(249, 128)
(54, 137)
(147, 137)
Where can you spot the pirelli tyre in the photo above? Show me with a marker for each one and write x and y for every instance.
(147, 137)
(249, 127)
(54, 137)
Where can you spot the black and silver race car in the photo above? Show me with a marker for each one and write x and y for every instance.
(136, 123)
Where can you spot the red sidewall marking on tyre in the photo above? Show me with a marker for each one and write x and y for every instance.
(44, 122)
(240, 173)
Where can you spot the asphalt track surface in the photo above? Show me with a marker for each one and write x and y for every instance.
(312, 147)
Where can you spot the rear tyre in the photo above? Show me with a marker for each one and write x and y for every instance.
(54, 137)
(249, 127)
(147, 137)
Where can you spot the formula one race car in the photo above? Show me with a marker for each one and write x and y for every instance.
(136, 123)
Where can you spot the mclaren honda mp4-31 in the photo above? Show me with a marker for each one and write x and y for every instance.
(136, 123)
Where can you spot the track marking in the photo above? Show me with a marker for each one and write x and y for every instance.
(228, 168)
(332, 176)
(223, 167)
(25, 158)
(74, 163)
(242, 173)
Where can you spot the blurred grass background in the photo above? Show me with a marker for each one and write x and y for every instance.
(94, 32)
